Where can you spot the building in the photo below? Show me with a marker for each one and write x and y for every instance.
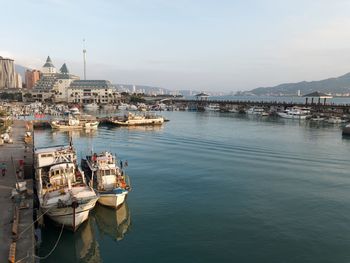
(7, 74)
(48, 67)
(18, 79)
(92, 91)
(64, 87)
(31, 77)
(52, 85)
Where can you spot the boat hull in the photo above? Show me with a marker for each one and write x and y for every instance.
(159, 121)
(112, 200)
(67, 216)
(289, 116)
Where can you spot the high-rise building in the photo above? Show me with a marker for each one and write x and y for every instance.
(32, 76)
(7, 73)
(19, 83)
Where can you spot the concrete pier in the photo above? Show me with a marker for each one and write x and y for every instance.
(17, 240)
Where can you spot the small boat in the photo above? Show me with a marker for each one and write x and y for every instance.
(63, 193)
(212, 107)
(74, 111)
(334, 120)
(84, 122)
(107, 178)
(133, 119)
(295, 113)
(109, 107)
(317, 118)
(123, 106)
(91, 106)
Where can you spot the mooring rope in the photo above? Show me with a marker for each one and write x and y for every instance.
(54, 247)
(31, 225)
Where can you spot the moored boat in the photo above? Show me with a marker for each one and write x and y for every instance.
(107, 178)
(63, 193)
(91, 106)
(295, 113)
(84, 122)
(133, 120)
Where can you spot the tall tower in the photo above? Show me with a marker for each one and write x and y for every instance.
(84, 57)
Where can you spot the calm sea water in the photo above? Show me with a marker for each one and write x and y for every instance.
(214, 187)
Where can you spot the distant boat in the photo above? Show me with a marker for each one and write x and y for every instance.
(335, 120)
(295, 113)
(134, 120)
(91, 106)
(123, 106)
(212, 107)
(257, 111)
(84, 122)
(109, 107)
(74, 111)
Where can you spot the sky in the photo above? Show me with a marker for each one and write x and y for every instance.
(204, 45)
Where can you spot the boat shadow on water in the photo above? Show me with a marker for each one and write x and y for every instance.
(83, 245)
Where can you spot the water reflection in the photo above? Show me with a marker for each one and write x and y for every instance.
(75, 133)
(111, 222)
(83, 245)
(146, 128)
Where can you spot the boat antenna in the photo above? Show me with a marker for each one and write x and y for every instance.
(84, 57)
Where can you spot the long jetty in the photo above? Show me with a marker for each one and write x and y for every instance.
(262, 103)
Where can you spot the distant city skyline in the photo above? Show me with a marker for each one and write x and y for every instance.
(195, 45)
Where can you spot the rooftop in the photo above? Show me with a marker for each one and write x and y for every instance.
(48, 63)
(91, 84)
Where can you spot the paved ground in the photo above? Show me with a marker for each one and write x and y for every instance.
(8, 152)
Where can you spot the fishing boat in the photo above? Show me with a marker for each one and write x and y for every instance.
(133, 120)
(259, 111)
(334, 120)
(123, 106)
(91, 106)
(295, 113)
(84, 122)
(63, 193)
(212, 107)
(74, 111)
(107, 178)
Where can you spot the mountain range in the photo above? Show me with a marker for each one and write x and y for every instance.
(338, 85)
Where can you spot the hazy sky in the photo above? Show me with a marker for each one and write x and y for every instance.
(182, 44)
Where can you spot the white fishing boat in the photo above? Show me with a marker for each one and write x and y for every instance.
(132, 108)
(109, 107)
(63, 193)
(257, 111)
(91, 106)
(317, 118)
(74, 111)
(123, 106)
(334, 120)
(84, 122)
(212, 107)
(133, 120)
(107, 178)
(295, 113)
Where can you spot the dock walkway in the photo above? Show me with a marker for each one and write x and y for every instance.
(11, 225)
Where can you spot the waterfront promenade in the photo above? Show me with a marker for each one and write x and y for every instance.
(12, 225)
